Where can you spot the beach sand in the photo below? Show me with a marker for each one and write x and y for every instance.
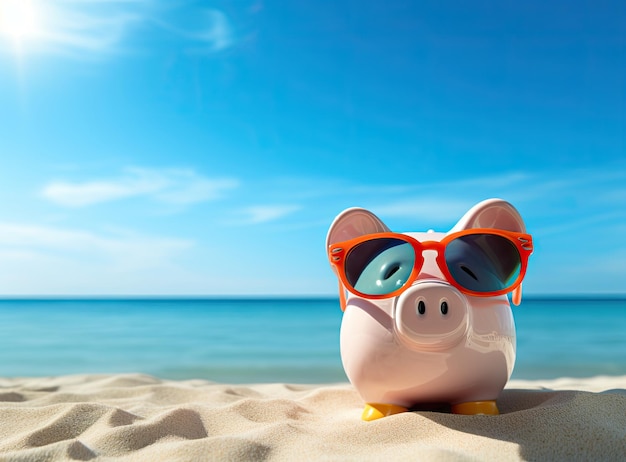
(136, 417)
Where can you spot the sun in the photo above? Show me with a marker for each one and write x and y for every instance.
(19, 20)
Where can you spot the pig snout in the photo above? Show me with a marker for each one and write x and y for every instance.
(431, 315)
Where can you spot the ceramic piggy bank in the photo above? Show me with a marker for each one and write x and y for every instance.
(426, 317)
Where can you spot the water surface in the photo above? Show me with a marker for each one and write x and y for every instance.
(270, 340)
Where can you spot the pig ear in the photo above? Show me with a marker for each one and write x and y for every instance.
(492, 213)
(354, 222)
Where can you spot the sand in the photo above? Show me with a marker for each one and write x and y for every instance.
(134, 417)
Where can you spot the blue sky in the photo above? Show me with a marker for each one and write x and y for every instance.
(152, 147)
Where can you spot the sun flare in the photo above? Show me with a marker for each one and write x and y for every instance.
(19, 19)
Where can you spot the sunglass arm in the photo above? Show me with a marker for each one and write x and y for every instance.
(342, 296)
(516, 296)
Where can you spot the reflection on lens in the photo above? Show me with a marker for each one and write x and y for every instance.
(379, 266)
(483, 262)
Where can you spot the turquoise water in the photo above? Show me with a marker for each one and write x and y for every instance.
(282, 340)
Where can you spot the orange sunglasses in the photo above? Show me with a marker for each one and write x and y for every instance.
(483, 262)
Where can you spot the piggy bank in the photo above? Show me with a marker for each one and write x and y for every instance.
(427, 318)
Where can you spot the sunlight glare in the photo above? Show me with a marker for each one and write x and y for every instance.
(18, 19)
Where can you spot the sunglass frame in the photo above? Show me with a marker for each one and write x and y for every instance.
(338, 252)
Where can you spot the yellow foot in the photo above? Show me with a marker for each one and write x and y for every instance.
(476, 407)
(377, 411)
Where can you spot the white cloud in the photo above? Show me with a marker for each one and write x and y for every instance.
(209, 30)
(435, 200)
(49, 260)
(265, 213)
(426, 208)
(120, 249)
(218, 32)
(597, 191)
(442, 185)
(37, 259)
(170, 186)
(87, 29)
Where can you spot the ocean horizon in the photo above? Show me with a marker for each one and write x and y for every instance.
(270, 339)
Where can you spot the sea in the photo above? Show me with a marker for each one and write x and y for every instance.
(288, 340)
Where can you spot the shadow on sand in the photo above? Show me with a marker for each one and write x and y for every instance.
(552, 425)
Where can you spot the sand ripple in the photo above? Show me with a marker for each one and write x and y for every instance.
(134, 417)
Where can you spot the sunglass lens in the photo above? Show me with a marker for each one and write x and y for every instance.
(483, 262)
(379, 266)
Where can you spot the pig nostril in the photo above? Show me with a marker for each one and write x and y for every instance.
(444, 308)
(421, 307)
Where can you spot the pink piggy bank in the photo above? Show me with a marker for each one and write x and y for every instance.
(426, 317)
